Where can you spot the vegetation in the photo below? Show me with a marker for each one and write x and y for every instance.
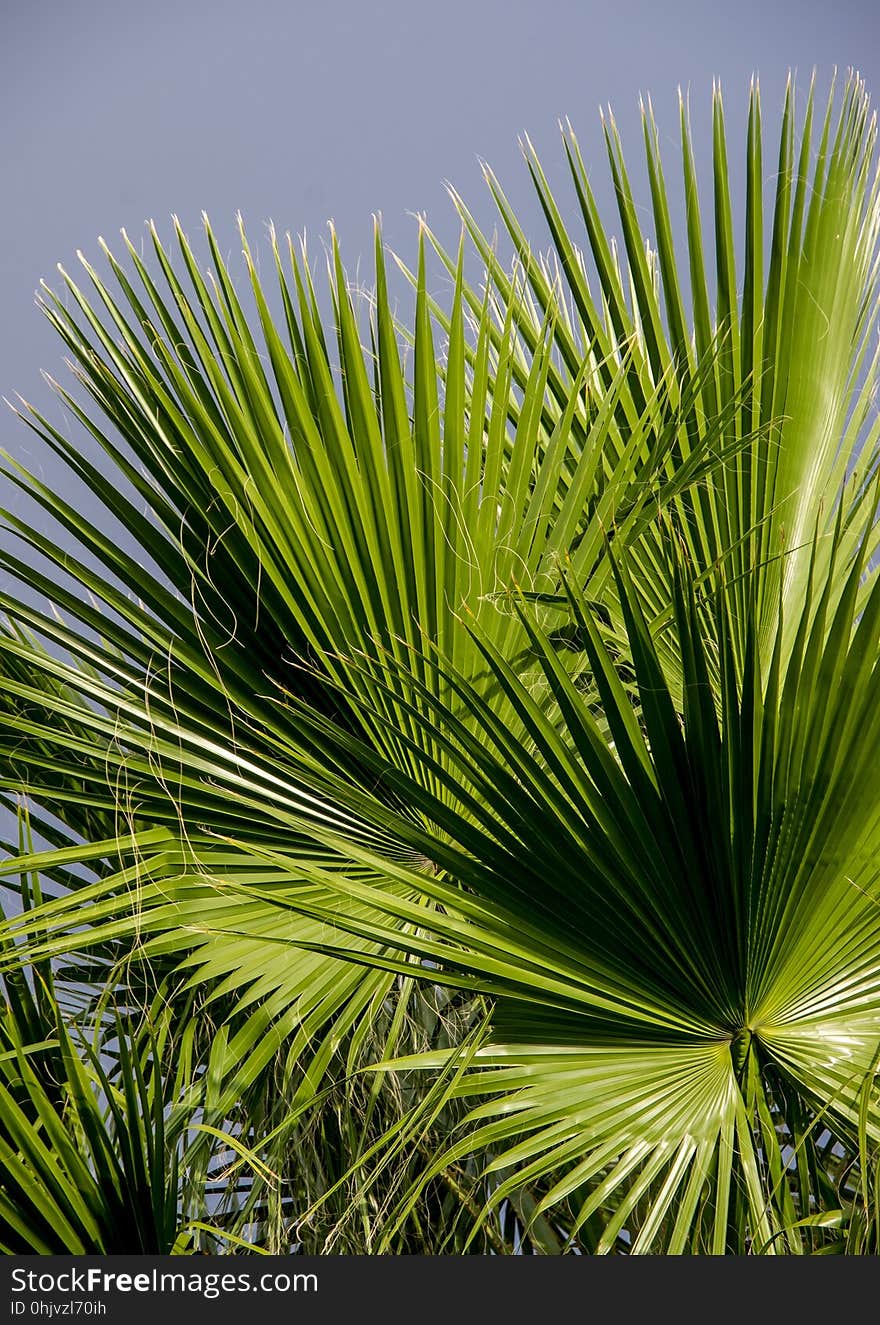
(453, 750)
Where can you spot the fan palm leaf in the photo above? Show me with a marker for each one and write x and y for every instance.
(546, 673)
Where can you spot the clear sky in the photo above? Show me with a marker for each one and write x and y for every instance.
(114, 111)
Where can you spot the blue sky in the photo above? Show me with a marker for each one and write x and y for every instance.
(115, 112)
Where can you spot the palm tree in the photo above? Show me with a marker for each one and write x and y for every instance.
(466, 760)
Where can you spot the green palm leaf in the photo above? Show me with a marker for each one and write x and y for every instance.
(546, 672)
(795, 358)
(668, 937)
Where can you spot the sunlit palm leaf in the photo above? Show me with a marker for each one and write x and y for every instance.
(550, 674)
